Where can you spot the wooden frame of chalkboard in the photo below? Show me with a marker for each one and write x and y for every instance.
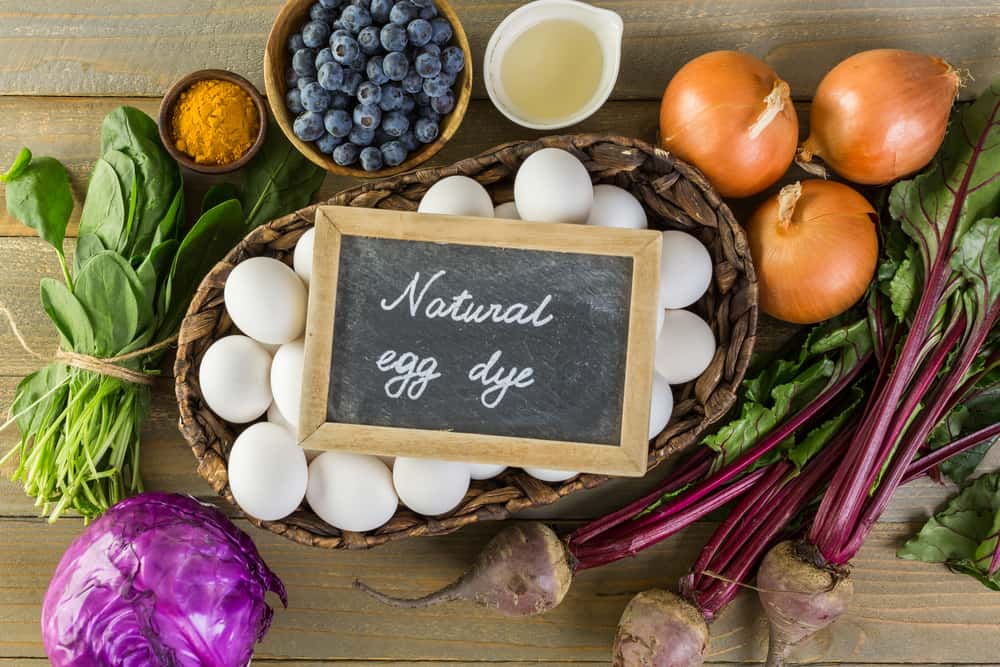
(340, 228)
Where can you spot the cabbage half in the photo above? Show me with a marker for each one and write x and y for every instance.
(159, 579)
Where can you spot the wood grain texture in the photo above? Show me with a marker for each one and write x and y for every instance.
(67, 47)
(903, 611)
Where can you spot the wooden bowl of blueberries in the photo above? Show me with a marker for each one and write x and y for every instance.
(368, 87)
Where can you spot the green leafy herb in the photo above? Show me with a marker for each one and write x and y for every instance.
(965, 535)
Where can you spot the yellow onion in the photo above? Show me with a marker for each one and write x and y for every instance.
(815, 249)
(729, 114)
(880, 115)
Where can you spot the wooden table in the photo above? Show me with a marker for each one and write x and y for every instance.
(65, 63)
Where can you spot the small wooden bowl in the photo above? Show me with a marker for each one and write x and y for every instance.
(293, 15)
(167, 108)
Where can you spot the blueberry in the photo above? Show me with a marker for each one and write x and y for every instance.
(395, 65)
(432, 48)
(337, 25)
(393, 37)
(331, 76)
(413, 82)
(430, 114)
(291, 78)
(425, 130)
(341, 101)
(339, 33)
(375, 72)
(423, 4)
(308, 126)
(371, 158)
(442, 31)
(315, 34)
(419, 32)
(323, 57)
(295, 42)
(346, 154)
(392, 98)
(409, 142)
(427, 13)
(367, 115)
(328, 142)
(329, 4)
(362, 3)
(395, 123)
(369, 93)
(293, 101)
(443, 104)
(304, 81)
(427, 66)
(422, 99)
(345, 48)
(438, 85)
(359, 62)
(320, 13)
(338, 122)
(380, 10)
(304, 62)
(315, 98)
(369, 41)
(453, 59)
(352, 80)
(355, 18)
(408, 104)
(403, 12)
(361, 136)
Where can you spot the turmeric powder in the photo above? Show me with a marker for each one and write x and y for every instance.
(215, 122)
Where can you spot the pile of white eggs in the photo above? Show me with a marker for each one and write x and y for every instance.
(259, 373)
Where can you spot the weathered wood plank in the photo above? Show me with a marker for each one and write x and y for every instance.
(903, 612)
(69, 129)
(64, 47)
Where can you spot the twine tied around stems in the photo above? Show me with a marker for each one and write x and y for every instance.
(108, 366)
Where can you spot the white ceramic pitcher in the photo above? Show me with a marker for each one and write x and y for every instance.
(606, 25)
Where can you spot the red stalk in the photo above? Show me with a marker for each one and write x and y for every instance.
(941, 454)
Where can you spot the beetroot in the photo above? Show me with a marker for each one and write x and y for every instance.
(660, 629)
(799, 598)
(524, 570)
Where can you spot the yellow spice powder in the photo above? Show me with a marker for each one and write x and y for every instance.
(215, 122)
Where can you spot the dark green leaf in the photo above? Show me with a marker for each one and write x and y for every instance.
(168, 227)
(87, 245)
(965, 534)
(213, 235)
(128, 180)
(155, 268)
(31, 390)
(68, 315)
(217, 194)
(820, 436)
(977, 258)
(39, 195)
(104, 207)
(978, 411)
(278, 180)
(107, 287)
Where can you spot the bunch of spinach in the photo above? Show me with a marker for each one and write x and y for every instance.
(135, 268)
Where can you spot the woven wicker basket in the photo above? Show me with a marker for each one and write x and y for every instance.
(675, 195)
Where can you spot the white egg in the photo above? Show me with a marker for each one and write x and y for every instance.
(616, 207)
(661, 314)
(235, 379)
(661, 404)
(286, 380)
(685, 270)
(266, 300)
(684, 348)
(553, 186)
(351, 491)
(550, 475)
(267, 472)
(430, 487)
(457, 195)
(507, 211)
(484, 470)
(302, 259)
(275, 417)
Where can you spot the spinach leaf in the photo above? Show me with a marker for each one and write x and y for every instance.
(213, 235)
(39, 195)
(155, 268)
(104, 208)
(68, 315)
(31, 390)
(87, 245)
(966, 535)
(217, 194)
(279, 180)
(128, 179)
(167, 228)
(106, 286)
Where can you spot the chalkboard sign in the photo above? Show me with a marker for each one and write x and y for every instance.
(481, 340)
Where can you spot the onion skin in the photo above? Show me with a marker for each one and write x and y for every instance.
(881, 115)
(819, 260)
(709, 117)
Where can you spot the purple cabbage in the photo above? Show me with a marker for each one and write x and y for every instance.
(159, 579)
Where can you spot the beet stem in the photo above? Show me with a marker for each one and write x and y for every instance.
(941, 454)
(447, 594)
